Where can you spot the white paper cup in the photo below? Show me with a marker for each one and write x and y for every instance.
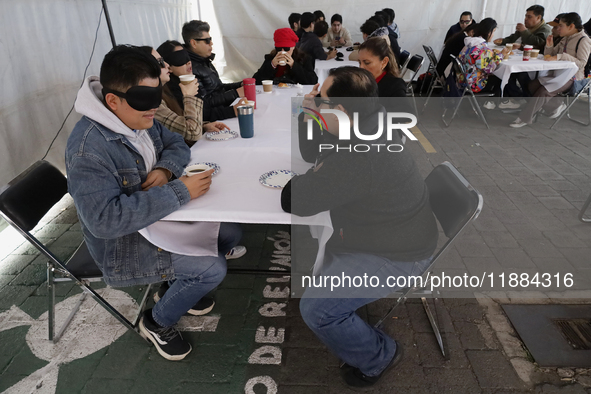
(196, 169)
(251, 103)
(187, 79)
(267, 86)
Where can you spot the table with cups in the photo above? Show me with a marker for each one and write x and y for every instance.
(322, 67)
(553, 75)
(238, 193)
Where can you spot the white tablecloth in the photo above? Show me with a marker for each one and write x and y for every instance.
(553, 75)
(236, 194)
(322, 67)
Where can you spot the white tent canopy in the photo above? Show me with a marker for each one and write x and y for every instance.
(46, 45)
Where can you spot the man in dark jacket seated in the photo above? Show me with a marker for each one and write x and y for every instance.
(286, 63)
(310, 41)
(453, 46)
(216, 95)
(379, 208)
(465, 21)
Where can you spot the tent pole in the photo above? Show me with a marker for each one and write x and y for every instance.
(109, 23)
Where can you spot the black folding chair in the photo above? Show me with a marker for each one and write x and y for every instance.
(436, 80)
(414, 64)
(455, 203)
(458, 68)
(569, 104)
(403, 59)
(23, 202)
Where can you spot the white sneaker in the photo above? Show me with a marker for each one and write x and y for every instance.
(558, 111)
(517, 123)
(236, 252)
(509, 104)
(489, 105)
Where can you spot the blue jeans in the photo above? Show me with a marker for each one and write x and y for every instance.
(334, 320)
(194, 277)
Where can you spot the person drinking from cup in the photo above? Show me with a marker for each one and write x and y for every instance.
(216, 94)
(286, 63)
(337, 35)
(188, 119)
(575, 46)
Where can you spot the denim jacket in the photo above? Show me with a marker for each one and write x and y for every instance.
(105, 173)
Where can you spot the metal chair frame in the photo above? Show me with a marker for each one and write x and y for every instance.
(13, 202)
(569, 105)
(582, 217)
(436, 80)
(414, 64)
(458, 68)
(455, 203)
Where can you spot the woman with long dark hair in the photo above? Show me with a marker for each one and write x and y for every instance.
(376, 57)
(286, 63)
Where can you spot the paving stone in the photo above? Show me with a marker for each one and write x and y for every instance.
(564, 239)
(555, 202)
(31, 275)
(542, 190)
(562, 185)
(298, 335)
(512, 258)
(209, 388)
(578, 257)
(467, 313)
(232, 301)
(69, 216)
(14, 295)
(526, 231)
(304, 389)
(51, 230)
(23, 364)
(498, 239)
(567, 389)
(304, 366)
(107, 386)
(71, 239)
(122, 361)
(451, 380)
(493, 371)
(472, 247)
(13, 264)
(430, 354)
(539, 248)
(470, 335)
(237, 281)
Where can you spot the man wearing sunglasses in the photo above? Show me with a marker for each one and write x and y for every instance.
(465, 21)
(199, 44)
(125, 174)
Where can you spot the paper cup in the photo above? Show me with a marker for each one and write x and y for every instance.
(509, 46)
(196, 169)
(267, 86)
(251, 103)
(534, 53)
(187, 79)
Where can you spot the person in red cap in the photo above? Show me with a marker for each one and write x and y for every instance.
(286, 63)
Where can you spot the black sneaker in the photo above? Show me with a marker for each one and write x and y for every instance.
(202, 307)
(356, 380)
(168, 340)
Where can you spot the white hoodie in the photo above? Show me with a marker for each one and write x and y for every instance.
(186, 238)
(473, 41)
(89, 103)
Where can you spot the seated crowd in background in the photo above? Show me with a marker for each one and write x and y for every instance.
(138, 84)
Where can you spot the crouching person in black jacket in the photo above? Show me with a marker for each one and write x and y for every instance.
(379, 207)
(286, 63)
